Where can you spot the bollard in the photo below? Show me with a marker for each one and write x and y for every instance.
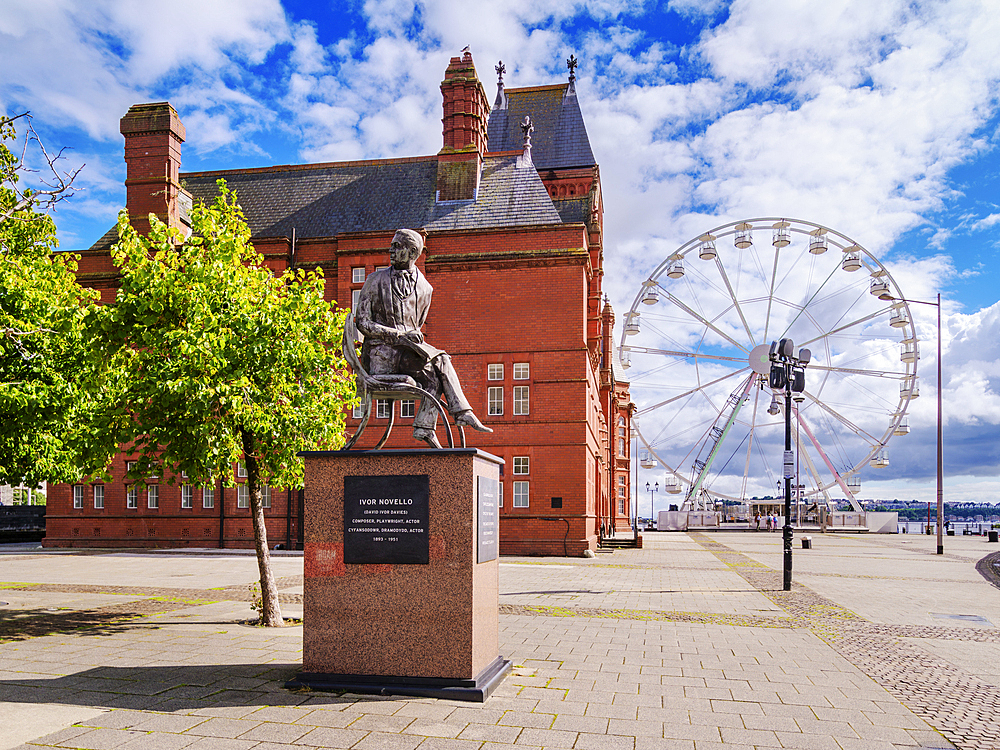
(994, 536)
(807, 542)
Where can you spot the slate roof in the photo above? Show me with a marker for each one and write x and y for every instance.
(560, 137)
(325, 200)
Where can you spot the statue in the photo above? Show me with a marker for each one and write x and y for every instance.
(391, 311)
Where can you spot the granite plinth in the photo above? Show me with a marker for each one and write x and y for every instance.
(396, 628)
(475, 690)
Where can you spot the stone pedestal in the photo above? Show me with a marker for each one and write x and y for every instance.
(401, 593)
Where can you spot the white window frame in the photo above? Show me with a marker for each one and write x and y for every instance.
(355, 298)
(358, 411)
(407, 407)
(500, 495)
(521, 401)
(132, 497)
(154, 471)
(129, 466)
(78, 493)
(98, 496)
(207, 497)
(522, 465)
(265, 493)
(521, 491)
(358, 275)
(522, 371)
(242, 495)
(622, 488)
(382, 407)
(622, 447)
(494, 371)
(494, 396)
(187, 496)
(621, 506)
(241, 470)
(153, 496)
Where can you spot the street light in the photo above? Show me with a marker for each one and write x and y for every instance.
(788, 374)
(651, 490)
(940, 434)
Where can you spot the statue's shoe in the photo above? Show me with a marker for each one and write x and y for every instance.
(468, 419)
(427, 435)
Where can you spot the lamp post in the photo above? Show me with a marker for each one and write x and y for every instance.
(651, 490)
(885, 296)
(788, 374)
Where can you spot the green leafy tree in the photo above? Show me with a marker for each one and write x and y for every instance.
(224, 361)
(49, 386)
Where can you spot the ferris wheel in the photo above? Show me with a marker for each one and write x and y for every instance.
(696, 345)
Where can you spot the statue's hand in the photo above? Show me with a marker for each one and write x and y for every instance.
(414, 337)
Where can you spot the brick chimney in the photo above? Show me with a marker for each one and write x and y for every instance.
(465, 119)
(153, 137)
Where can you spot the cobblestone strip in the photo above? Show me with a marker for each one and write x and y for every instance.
(963, 708)
(989, 568)
(228, 594)
(101, 619)
(748, 621)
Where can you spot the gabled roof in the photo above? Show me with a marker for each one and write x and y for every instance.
(324, 200)
(560, 136)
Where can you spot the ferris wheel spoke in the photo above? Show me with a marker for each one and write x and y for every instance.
(892, 374)
(736, 304)
(840, 418)
(691, 391)
(706, 322)
(770, 294)
(750, 440)
(689, 355)
(846, 326)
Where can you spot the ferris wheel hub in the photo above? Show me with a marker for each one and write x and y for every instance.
(760, 361)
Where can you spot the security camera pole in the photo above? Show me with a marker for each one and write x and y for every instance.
(788, 374)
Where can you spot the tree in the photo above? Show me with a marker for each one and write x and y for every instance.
(224, 360)
(49, 386)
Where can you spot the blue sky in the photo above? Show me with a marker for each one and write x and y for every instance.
(877, 119)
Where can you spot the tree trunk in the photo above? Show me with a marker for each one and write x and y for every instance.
(270, 615)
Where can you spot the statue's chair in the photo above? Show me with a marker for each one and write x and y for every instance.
(372, 388)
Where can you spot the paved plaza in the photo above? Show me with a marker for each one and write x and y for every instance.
(687, 644)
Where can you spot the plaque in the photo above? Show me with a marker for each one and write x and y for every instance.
(487, 519)
(387, 520)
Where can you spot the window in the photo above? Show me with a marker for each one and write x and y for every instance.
(153, 496)
(520, 371)
(241, 470)
(78, 496)
(129, 467)
(381, 268)
(184, 475)
(154, 472)
(496, 400)
(622, 488)
(355, 298)
(621, 447)
(407, 407)
(520, 464)
(520, 400)
(358, 275)
(382, 407)
(98, 496)
(494, 372)
(621, 506)
(265, 492)
(358, 411)
(187, 496)
(132, 497)
(242, 496)
(207, 497)
(520, 494)
(500, 495)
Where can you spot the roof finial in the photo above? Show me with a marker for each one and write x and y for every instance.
(526, 130)
(466, 53)
(500, 68)
(571, 63)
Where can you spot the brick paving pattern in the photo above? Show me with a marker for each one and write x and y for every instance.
(688, 643)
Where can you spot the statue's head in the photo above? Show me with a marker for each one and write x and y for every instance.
(406, 248)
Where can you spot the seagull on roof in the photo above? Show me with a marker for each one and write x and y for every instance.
(467, 48)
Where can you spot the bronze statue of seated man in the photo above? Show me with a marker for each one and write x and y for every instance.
(391, 311)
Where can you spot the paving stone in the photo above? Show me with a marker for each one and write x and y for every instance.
(331, 737)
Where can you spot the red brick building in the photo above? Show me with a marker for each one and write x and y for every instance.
(514, 251)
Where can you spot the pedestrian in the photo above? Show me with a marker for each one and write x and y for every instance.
(767, 522)
(756, 519)
(774, 523)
